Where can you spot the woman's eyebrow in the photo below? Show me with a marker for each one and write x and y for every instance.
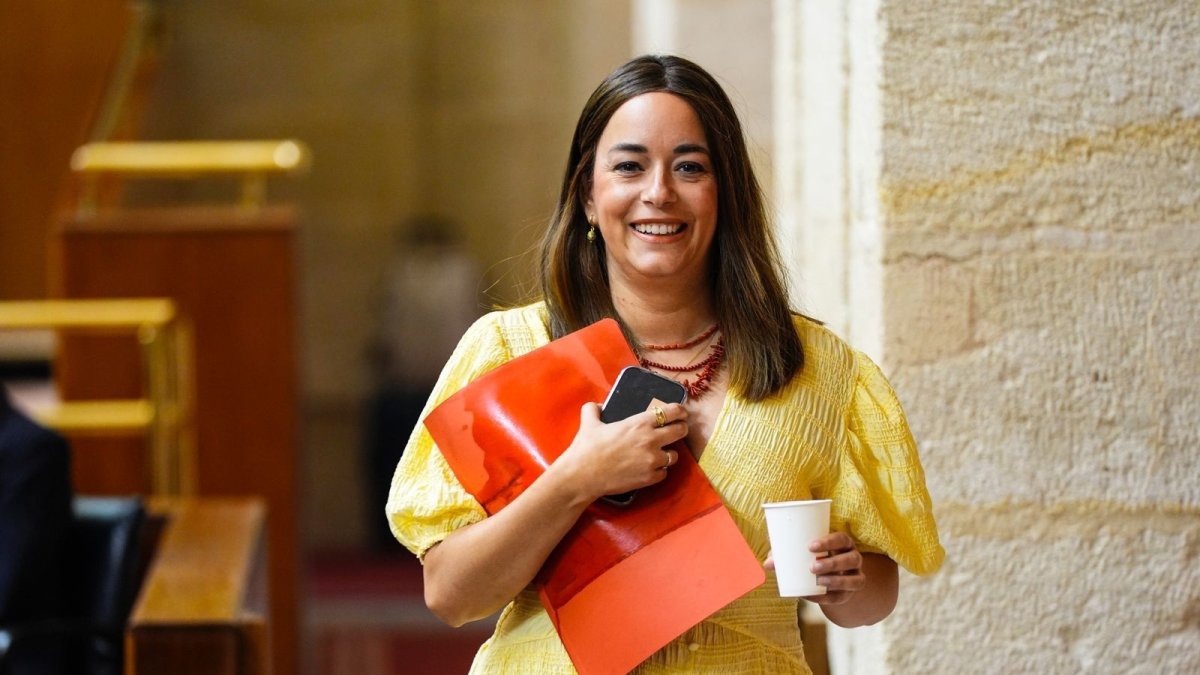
(629, 147)
(683, 149)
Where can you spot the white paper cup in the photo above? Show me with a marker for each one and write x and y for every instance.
(791, 527)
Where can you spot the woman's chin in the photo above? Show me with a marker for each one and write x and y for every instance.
(661, 269)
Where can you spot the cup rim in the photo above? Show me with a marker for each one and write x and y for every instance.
(798, 502)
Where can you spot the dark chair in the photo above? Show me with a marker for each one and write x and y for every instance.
(101, 583)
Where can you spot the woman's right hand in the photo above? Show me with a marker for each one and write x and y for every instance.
(606, 459)
(479, 568)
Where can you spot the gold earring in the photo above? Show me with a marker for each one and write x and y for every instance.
(591, 235)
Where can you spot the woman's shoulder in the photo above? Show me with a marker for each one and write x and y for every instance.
(826, 354)
(525, 317)
(839, 366)
(519, 328)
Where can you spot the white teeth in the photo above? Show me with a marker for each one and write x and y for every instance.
(657, 228)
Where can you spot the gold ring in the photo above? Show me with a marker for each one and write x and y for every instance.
(660, 417)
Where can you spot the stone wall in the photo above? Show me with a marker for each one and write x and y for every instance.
(1020, 225)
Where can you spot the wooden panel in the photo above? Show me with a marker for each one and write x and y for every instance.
(109, 466)
(55, 60)
(183, 650)
(230, 273)
(197, 611)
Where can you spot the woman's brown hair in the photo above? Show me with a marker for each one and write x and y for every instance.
(749, 296)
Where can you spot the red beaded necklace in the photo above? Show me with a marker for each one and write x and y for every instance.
(707, 366)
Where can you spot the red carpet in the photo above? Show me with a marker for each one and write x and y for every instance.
(350, 573)
(381, 650)
(366, 616)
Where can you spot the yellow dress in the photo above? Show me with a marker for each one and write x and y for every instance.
(836, 431)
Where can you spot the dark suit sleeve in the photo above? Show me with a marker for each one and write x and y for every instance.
(35, 513)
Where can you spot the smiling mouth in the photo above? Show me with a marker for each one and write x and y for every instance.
(658, 228)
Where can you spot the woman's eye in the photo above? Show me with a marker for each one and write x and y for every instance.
(627, 167)
(691, 167)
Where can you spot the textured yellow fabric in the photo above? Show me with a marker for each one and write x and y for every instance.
(837, 431)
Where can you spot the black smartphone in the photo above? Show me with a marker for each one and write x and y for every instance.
(632, 393)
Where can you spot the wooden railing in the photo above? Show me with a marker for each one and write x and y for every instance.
(203, 606)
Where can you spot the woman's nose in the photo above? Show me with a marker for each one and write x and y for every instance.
(658, 190)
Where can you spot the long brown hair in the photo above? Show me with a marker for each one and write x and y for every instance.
(749, 296)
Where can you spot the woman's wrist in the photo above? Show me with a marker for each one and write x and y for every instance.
(568, 485)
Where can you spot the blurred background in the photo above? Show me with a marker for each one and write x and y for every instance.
(997, 201)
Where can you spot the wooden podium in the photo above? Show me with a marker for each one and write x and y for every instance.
(230, 272)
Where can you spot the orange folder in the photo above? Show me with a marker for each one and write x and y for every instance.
(626, 580)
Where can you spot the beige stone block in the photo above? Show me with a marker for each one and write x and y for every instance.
(1071, 587)
(931, 303)
(1081, 384)
(967, 84)
(1120, 180)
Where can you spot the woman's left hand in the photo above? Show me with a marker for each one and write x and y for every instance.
(861, 588)
(840, 572)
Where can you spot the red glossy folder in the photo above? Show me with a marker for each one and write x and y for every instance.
(626, 580)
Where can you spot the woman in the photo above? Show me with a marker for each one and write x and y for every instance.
(660, 224)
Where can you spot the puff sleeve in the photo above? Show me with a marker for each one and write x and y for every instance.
(426, 501)
(880, 497)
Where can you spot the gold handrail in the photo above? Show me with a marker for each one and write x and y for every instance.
(107, 417)
(164, 415)
(188, 158)
(26, 314)
(252, 160)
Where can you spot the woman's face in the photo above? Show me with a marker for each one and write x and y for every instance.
(654, 194)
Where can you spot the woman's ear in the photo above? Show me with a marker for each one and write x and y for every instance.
(583, 186)
(589, 210)
(584, 192)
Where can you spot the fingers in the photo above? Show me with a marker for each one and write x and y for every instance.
(589, 414)
(672, 457)
(631, 453)
(834, 542)
(661, 414)
(674, 430)
(840, 571)
(667, 460)
(837, 576)
(837, 553)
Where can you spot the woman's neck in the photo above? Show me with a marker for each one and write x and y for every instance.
(664, 315)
